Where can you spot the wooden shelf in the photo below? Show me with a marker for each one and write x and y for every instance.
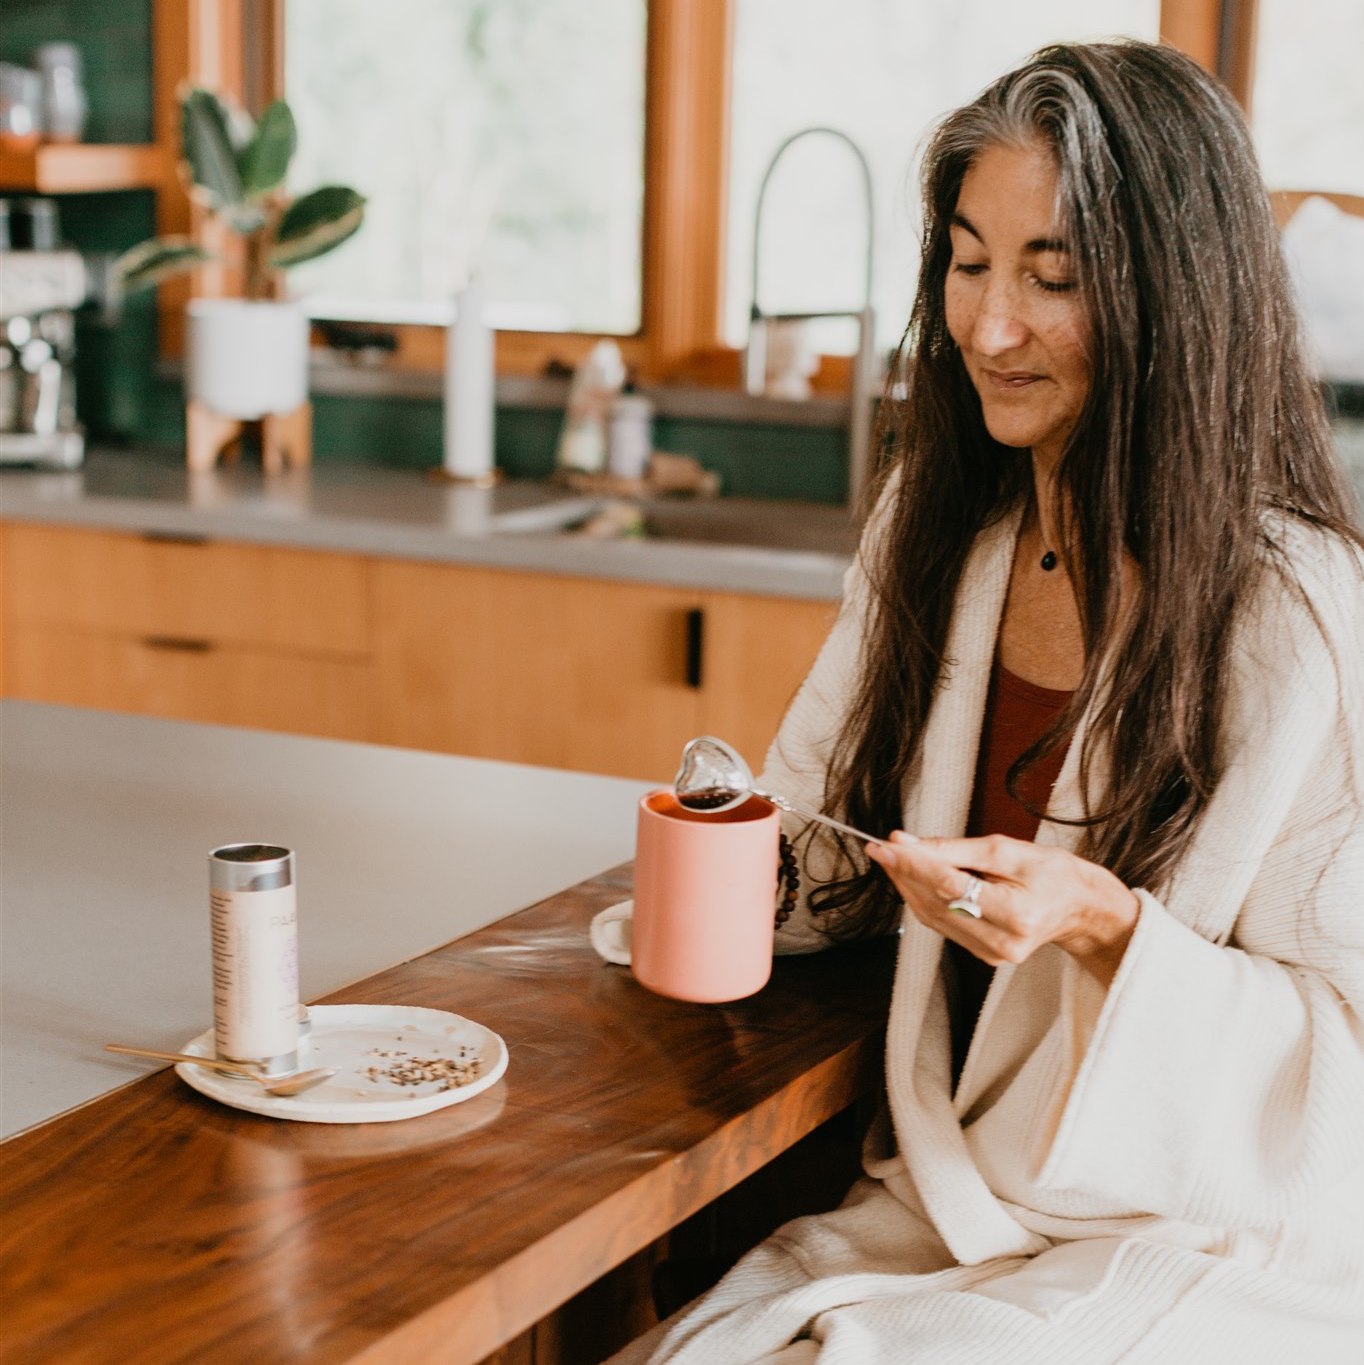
(79, 168)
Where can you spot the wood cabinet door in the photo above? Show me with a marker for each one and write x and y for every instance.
(117, 583)
(224, 685)
(187, 628)
(756, 653)
(535, 668)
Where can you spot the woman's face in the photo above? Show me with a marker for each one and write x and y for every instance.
(1012, 305)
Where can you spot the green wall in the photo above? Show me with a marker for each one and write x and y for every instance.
(115, 38)
(752, 460)
(120, 400)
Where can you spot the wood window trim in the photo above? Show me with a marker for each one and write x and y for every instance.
(686, 175)
(688, 88)
(195, 42)
(1219, 34)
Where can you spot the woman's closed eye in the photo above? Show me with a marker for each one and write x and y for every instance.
(971, 269)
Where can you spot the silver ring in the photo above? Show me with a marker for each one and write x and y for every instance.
(969, 900)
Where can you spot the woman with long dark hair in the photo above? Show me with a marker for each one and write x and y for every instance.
(1102, 656)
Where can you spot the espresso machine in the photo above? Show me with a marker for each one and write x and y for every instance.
(41, 285)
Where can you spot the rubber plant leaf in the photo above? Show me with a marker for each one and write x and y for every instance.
(207, 141)
(265, 159)
(148, 263)
(316, 223)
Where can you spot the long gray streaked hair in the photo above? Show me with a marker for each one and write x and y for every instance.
(1201, 417)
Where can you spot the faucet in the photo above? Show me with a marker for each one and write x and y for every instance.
(864, 362)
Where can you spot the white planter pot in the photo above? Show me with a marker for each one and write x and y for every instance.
(245, 359)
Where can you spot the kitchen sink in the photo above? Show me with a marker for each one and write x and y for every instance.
(741, 522)
(555, 514)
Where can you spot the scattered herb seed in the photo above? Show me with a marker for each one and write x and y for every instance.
(448, 1073)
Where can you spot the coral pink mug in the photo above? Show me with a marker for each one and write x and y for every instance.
(705, 898)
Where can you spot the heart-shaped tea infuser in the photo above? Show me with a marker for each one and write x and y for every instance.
(714, 777)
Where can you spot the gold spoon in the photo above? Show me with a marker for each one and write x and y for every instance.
(280, 1085)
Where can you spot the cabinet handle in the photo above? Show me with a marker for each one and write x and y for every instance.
(173, 538)
(696, 637)
(184, 643)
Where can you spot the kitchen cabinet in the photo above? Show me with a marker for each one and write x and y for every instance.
(756, 652)
(188, 628)
(581, 673)
(187, 587)
(569, 672)
(209, 682)
(534, 668)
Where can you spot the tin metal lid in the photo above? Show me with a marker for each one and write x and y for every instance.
(250, 867)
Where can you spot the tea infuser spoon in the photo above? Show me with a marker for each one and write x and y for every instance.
(714, 777)
(274, 1085)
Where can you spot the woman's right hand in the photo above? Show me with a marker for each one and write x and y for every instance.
(1029, 895)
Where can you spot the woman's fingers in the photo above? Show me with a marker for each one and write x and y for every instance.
(1027, 896)
(923, 879)
(985, 936)
(978, 937)
(924, 862)
(928, 882)
(995, 854)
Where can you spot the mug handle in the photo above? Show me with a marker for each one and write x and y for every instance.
(609, 932)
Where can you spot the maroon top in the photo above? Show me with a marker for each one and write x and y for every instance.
(1016, 715)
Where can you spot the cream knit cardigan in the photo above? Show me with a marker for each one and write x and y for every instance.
(1168, 1171)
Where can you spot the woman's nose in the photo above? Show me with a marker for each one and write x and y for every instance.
(999, 323)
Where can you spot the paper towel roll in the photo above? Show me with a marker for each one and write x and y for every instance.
(469, 389)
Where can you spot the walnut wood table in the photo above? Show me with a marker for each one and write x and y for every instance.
(152, 1225)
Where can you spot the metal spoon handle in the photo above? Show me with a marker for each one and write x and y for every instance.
(235, 1068)
(786, 804)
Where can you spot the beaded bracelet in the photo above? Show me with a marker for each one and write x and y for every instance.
(788, 880)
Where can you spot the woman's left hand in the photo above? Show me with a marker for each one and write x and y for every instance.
(1029, 895)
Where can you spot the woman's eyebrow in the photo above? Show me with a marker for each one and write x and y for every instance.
(1035, 247)
(962, 221)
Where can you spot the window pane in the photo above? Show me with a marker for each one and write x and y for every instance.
(503, 134)
(881, 71)
(1307, 106)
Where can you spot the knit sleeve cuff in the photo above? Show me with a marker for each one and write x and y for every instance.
(1176, 1073)
(1124, 1042)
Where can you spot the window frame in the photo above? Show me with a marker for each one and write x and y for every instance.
(238, 46)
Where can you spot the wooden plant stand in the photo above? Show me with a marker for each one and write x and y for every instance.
(286, 438)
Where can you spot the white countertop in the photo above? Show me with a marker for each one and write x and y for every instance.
(781, 549)
(106, 823)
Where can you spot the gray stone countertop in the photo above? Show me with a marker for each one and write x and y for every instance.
(780, 549)
(106, 823)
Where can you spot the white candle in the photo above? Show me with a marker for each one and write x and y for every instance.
(468, 452)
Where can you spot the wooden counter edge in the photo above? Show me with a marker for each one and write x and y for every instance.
(474, 1322)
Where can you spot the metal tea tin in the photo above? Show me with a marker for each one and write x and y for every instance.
(254, 929)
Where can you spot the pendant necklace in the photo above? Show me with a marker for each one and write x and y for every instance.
(1049, 561)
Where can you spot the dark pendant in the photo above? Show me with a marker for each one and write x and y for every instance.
(1049, 560)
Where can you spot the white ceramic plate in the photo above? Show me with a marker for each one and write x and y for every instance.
(369, 1043)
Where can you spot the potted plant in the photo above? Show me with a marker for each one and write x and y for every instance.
(246, 358)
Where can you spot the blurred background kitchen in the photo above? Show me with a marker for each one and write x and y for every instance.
(669, 176)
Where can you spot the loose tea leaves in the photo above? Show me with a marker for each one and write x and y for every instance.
(447, 1073)
(710, 798)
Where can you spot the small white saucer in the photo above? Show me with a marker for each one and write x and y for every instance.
(373, 1045)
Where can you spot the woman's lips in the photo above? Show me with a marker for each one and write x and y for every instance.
(1008, 380)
